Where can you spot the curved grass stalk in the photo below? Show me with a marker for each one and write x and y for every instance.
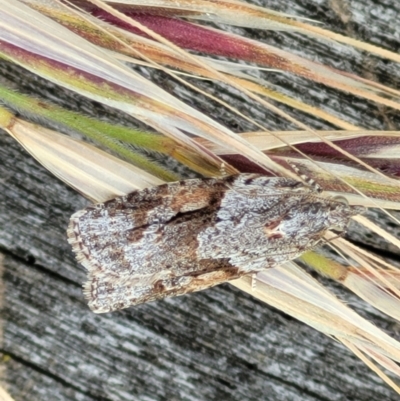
(272, 166)
(40, 44)
(144, 29)
(82, 166)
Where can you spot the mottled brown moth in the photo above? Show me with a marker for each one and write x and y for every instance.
(190, 235)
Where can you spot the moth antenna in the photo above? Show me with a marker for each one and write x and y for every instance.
(308, 180)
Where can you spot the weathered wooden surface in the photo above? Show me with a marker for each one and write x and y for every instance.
(220, 344)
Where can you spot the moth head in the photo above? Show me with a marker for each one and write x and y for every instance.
(314, 218)
(340, 213)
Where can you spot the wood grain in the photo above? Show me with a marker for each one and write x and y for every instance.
(220, 344)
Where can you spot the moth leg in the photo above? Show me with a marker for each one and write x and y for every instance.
(222, 170)
(253, 281)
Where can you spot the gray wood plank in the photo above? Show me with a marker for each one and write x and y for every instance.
(218, 344)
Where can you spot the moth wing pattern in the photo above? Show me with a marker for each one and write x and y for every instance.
(190, 235)
(125, 244)
(108, 293)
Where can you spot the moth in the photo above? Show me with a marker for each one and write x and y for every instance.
(187, 236)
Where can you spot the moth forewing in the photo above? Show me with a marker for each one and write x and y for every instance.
(191, 235)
